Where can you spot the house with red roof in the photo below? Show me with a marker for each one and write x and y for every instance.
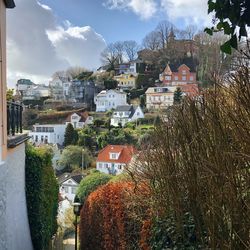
(79, 119)
(114, 158)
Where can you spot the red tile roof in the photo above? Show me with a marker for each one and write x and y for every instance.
(126, 153)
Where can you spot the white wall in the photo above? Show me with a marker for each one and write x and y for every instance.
(66, 189)
(105, 166)
(14, 226)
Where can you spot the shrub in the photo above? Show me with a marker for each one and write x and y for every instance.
(42, 196)
(90, 183)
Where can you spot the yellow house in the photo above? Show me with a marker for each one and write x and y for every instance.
(125, 80)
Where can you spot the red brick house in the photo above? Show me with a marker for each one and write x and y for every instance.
(178, 75)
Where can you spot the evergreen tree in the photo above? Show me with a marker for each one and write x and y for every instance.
(70, 136)
(177, 96)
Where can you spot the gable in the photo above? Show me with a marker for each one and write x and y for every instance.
(183, 67)
(69, 182)
(167, 70)
(75, 117)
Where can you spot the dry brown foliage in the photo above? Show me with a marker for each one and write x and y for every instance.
(198, 161)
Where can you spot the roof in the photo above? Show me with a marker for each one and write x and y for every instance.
(9, 4)
(104, 92)
(125, 156)
(66, 176)
(83, 115)
(189, 62)
(152, 90)
(123, 108)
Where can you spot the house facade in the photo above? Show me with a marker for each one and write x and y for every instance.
(36, 92)
(126, 113)
(126, 81)
(68, 185)
(79, 119)
(114, 158)
(160, 97)
(48, 134)
(14, 224)
(110, 99)
(177, 75)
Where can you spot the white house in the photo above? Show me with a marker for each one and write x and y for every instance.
(49, 133)
(126, 113)
(110, 99)
(159, 97)
(68, 185)
(36, 92)
(114, 158)
(79, 119)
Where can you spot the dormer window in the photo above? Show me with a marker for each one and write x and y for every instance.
(114, 156)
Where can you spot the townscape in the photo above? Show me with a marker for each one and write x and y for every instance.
(150, 150)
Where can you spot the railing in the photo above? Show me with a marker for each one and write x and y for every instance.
(14, 118)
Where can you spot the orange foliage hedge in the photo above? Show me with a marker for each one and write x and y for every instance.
(106, 221)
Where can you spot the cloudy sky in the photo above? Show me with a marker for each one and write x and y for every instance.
(49, 35)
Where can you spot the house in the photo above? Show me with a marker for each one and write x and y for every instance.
(68, 184)
(160, 97)
(48, 134)
(36, 92)
(110, 99)
(126, 113)
(114, 158)
(125, 81)
(14, 224)
(79, 119)
(57, 87)
(22, 86)
(175, 74)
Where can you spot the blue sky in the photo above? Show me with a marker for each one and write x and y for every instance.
(44, 36)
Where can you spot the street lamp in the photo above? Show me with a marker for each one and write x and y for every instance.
(76, 208)
(82, 158)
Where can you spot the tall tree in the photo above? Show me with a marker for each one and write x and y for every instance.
(70, 136)
(130, 49)
(109, 56)
(151, 41)
(177, 95)
(119, 49)
(164, 29)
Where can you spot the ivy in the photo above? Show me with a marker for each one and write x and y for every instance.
(41, 195)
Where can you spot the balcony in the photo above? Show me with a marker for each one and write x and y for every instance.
(14, 125)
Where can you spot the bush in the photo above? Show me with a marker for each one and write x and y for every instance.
(90, 183)
(42, 196)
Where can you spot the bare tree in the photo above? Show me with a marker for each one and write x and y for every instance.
(130, 49)
(151, 41)
(119, 49)
(109, 56)
(164, 29)
(191, 31)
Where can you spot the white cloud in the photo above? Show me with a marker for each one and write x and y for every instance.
(192, 11)
(144, 9)
(37, 45)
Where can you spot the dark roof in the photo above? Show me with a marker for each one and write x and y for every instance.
(64, 177)
(187, 61)
(123, 108)
(10, 4)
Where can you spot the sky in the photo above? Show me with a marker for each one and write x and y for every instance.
(49, 35)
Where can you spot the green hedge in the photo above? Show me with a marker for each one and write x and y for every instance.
(90, 183)
(42, 196)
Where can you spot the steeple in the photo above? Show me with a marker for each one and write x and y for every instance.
(171, 36)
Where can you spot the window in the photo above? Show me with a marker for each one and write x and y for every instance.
(176, 78)
(100, 165)
(106, 165)
(191, 78)
(120, 166)
(73, 190)
(168, 78)
(66, 189)
(184, 72)
(113, 156)
(184, 78)
(42, 138)
(36, 140)
(46, 139)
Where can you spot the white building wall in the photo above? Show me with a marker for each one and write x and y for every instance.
(106, 167)
(14, 225)
(68, 189)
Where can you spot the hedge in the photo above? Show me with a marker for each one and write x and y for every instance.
(42, 196)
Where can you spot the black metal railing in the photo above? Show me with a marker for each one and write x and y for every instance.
(14, 118)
